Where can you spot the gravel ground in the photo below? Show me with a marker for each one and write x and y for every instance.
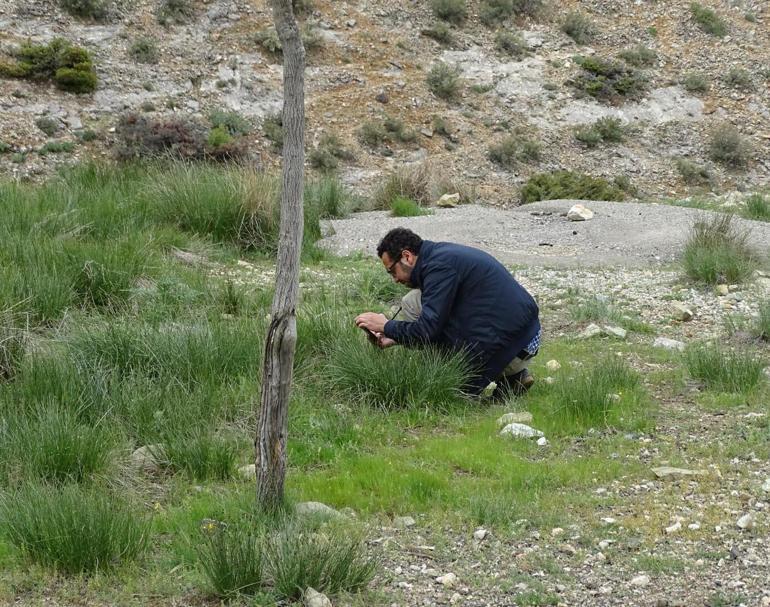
(620, 234)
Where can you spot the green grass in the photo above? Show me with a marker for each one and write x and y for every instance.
(404, 207)
(758, 207)
(717, 251)
(724, 369)
(708, 20)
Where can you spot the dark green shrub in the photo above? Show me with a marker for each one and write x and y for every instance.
(579, 27)
(219, 136)
(639, 56)
(739, 78)
(404, 207)
(233, 122)
(608, 80)
(372, 134)
(692, 173)
(173, 12)
(88, 9)
(758, 207)
(440, 32)
(144, 50)
(494, 12)
(729, 147)
(444, 81)
(566, 184)
(56, 147)
(69, 67)
(329, 152)
(717, 251)
(512, 44)
(723, 369)
(513, 149)
(50, 126)
(5, 148)
(605, 129)
(453, 11)
(399, 131)
(272, 127)
(708, 20)
(695, 83)
(87, 135)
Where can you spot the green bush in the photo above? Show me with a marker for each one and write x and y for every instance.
(444, 81)
(694, 82)
(328, 153)
(605, 129)
(692, 173)
(144, 50)
(579, 27)
(494, 12)
(566, 184)
(69, 67)
(708, 20)
(512, 44)
(453, 11)
(201, 455)
(173, 12)
(608, 80)
(87, 135)
(639, 56)
(404, 207)
(232, 121)
(729, 147)
(89, 9)
(233, 561)
(412, 182)
(758, 207)
(439, 32)
(50, 126)
(5, 148)
(762, 325)
(219, 136)
(717, 251)
(372, 134)
(72, 529)
(56, 147)
(329, 196)
(723, 369)
(513, 149)
(272, 127)
(739, 78)
(399, 130)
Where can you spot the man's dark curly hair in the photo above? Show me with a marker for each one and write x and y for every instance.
(397, 241)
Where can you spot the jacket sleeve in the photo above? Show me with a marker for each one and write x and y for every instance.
(439, 287)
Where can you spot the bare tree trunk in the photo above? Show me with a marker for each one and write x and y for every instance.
(281, 339)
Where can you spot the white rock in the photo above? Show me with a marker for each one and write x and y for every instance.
(693, 526)
(746, 521)
(591, 330)
(674, 528)
(313, 598)
(248, 473)
(149, 458)
(549, 380)
(681, 311)
(766, 485)
(542, 441)
(553, 365)
(404, 521)
(516, 417)
(640, 581)
(669, 472)
(455, 599)
(448, 580)
(722, 289)
(520, 431)
(556, 531)
(480, 534)
(668, 344)
(315, 508)
(608, 520)
(449, 201)
(619, 332)
(580, 212)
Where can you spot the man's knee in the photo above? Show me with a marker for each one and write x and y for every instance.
(411, 305)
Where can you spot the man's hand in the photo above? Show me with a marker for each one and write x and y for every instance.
(385, 342)
(372, 321)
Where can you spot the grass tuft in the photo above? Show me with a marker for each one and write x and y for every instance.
(758, 207)
(717, 251)
(708, 20)
(404, 207)
(723, 369)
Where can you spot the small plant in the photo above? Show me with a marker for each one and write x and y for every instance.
(69, 67)
(200, 455)
(453, 11)
(412, 182)
(233, 561)
(444, 81)
(329, 152)
(440, 32)
(5, 148)
(404, 207)
(56, 147)
(708, 20)
(608, 80)
(514, 149)
(233, 122)
(723, 369)
(762, 325)
(639, 56)
(144, 50)
(494, 12)
(605, 129)
(72, 529)
(717, 251)
(372, 134)
(729, 147)
(272, 127)
(758, 207)
(694, 82)
(692, 173)
(329, 196)
(175, 12)
(398, 130)
(512, 44)
(566, 184)
(50, 126)
(13, 345)
(579, 27)
(87, 9)
(148, 106)
(739, 78)
(87, 135)
(219, 136)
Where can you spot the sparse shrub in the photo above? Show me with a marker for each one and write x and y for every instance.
(233, 122)
(708, 20)
(72, 529)
(692, 173)
(441, 126)
(566, 184)
(513, 149)
(453, 11)
(579, 27)
(639, 56)
(723, 369)
(494, 12)
(202, 456)
(272, 127)
(56, 147)
(148, 106)
(399, 131)
(758, 207)
(87, 135)
(694, 82)
(717, 251)
(439, 32)
(329, 152)
(13, 343)
(605, 129)
(50, 126)
(268, 39)
(233, 560)
(5, 148)
(144, 50)
(219, 136)
(512, 43)
(588, 135)
(739, 78)
(329, 196)
(69, 67)
(608, 80)
(372, 134)
(404, 207)
(175, 12)
(444, 81)
(729, 147)
(412, 182)
(87, 9)
(762, 324)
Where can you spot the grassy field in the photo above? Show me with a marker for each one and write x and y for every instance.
(112, 340)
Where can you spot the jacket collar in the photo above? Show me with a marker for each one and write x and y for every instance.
(425, 250)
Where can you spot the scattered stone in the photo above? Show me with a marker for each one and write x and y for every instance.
(580, 212)
(480, 534)
(674, 528)
(618, 332)
(516, 417)
(553, 365)
(455, 598)
(186, 257)
(567, 549)
(722, 290)
(542, 441)
(614, 398)
(448, 580)
(315, 508)
(746, 521)
(382, 97)
(693, 526)
(313, 598)
(668, 344)
(248, 473)
(766, 485)
(556, 531)
(681, 312)
(640, 581)
(402, 522)
(149, 458)
(669, 472)
(591, 330)
(449, 201)
(549, 380)
(608, 520)
(520, 431)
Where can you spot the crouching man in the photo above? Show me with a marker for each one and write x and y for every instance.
(462, 299)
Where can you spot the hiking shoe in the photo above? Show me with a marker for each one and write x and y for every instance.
(521, 382)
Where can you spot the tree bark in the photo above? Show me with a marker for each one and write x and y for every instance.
(270, 442)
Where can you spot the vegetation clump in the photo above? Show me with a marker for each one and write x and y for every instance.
(606, 129)
(511, 43)
(758, 207)
(729, 147)
(268, 39)
(444, 81)
(607, 80)
(404, 207)
(568, 184)
(717, 251)
(453, 11)
(723, 369)
(513, 149)
(411, 182)
(50, 126)
(87, 9)
(440, 32)
(175, 12)
(56, 147)
(272, 127)
(739, 78)
(695, 82)
(693, 173)
(639, 56)
(708, 20)
(144, 50)
(579, 27)
(233, 122)
(494, 12)
(69, 67)
(329, 152)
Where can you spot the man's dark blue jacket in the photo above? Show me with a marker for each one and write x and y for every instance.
(469, 302)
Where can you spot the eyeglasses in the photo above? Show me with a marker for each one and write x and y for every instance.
(392, 268)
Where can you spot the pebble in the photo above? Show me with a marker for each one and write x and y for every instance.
(516, 417)
(556, 531)
(746, 521)
(448, 580)
(542, 441)
(520, 431)
(674, 528)
(313, 598)
(693, 526)
(553, 365)
(640, 581)
(480, 534)
(404, 521)
(668, 344)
